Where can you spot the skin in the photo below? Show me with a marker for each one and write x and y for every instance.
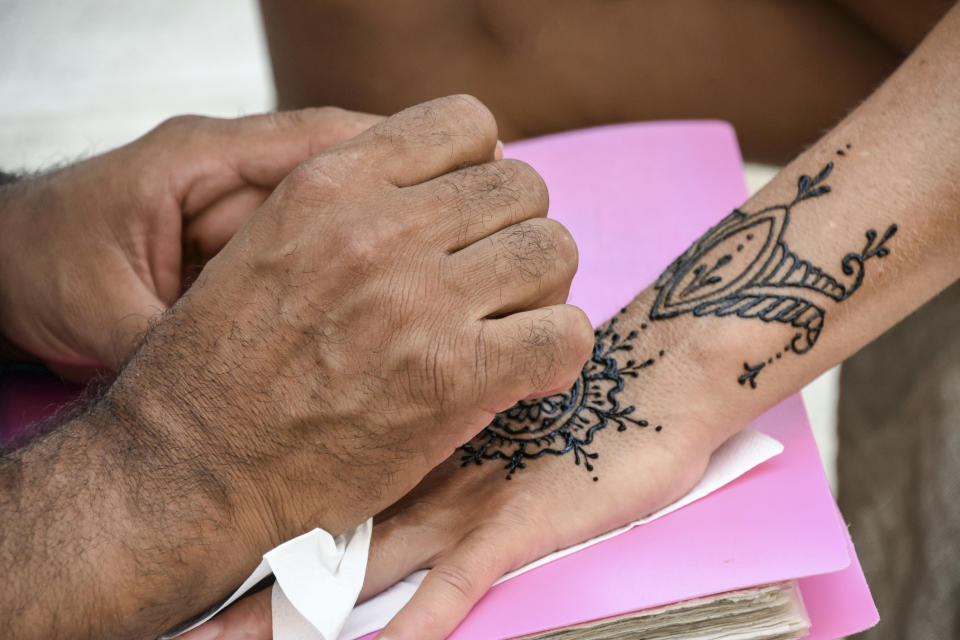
(781, 72)
(143, 218)
(407, 269)
(470, 527)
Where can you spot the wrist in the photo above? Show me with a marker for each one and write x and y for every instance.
(190, 447)
(180, 390)
(692, 387)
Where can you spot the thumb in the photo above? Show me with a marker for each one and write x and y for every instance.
(258, 151)
(248, 619)
(268, 146)
(449, 590)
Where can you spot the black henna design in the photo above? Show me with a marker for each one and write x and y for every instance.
(744, 267)
(566, 422)
(751, 374)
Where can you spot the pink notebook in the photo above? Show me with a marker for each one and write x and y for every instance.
(634, 196)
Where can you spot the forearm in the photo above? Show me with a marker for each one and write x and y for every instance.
(894, 167)
(109, 527)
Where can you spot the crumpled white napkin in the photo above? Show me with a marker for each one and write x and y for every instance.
(319, 578)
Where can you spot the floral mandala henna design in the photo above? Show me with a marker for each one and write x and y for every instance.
(566, 422)
(743, 267)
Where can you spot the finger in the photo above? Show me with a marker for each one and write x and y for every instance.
(476, 201)
(397, 549)
(532, 353)
(418, 144)
(224, 154)
(268, 146)
(209, 231)
(248, 619)
(449, 591)
(527, 265)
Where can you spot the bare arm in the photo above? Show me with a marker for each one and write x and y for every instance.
(780, 72)
(243, 417)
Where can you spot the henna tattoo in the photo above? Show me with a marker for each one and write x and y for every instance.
(566, 422)
(744, 267)
(751, 374)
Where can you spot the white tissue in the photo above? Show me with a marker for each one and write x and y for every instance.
(318, 581)
(319, 578)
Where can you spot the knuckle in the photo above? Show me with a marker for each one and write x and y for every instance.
(313, 180)
(469, 182)
(528, 241)
(534, 248)
(528, 182)
(358, 250)
(456, 578)
(323, 113)
(182, 125)
(294, 119)
(514, 516)
(491, 177)
(477, 191)
(300, 118)
(565, 247)
(483, 552)
(366, 246)
(578, 332)
(471, 112)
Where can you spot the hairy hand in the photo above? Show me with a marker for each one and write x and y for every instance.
(91, 253)
(579, 463)
(390, 296)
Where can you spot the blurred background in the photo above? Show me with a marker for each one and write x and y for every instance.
(78, 78)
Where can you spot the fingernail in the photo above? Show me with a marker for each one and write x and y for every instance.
(207, 631)
(498, 155)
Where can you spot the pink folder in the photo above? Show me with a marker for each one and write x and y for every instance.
(634, 196)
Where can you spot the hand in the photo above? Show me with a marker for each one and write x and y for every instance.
(389, 297)
(469, 525)
(90, 254)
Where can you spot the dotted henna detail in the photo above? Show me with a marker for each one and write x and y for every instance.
(743, 267)
(566, 423)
